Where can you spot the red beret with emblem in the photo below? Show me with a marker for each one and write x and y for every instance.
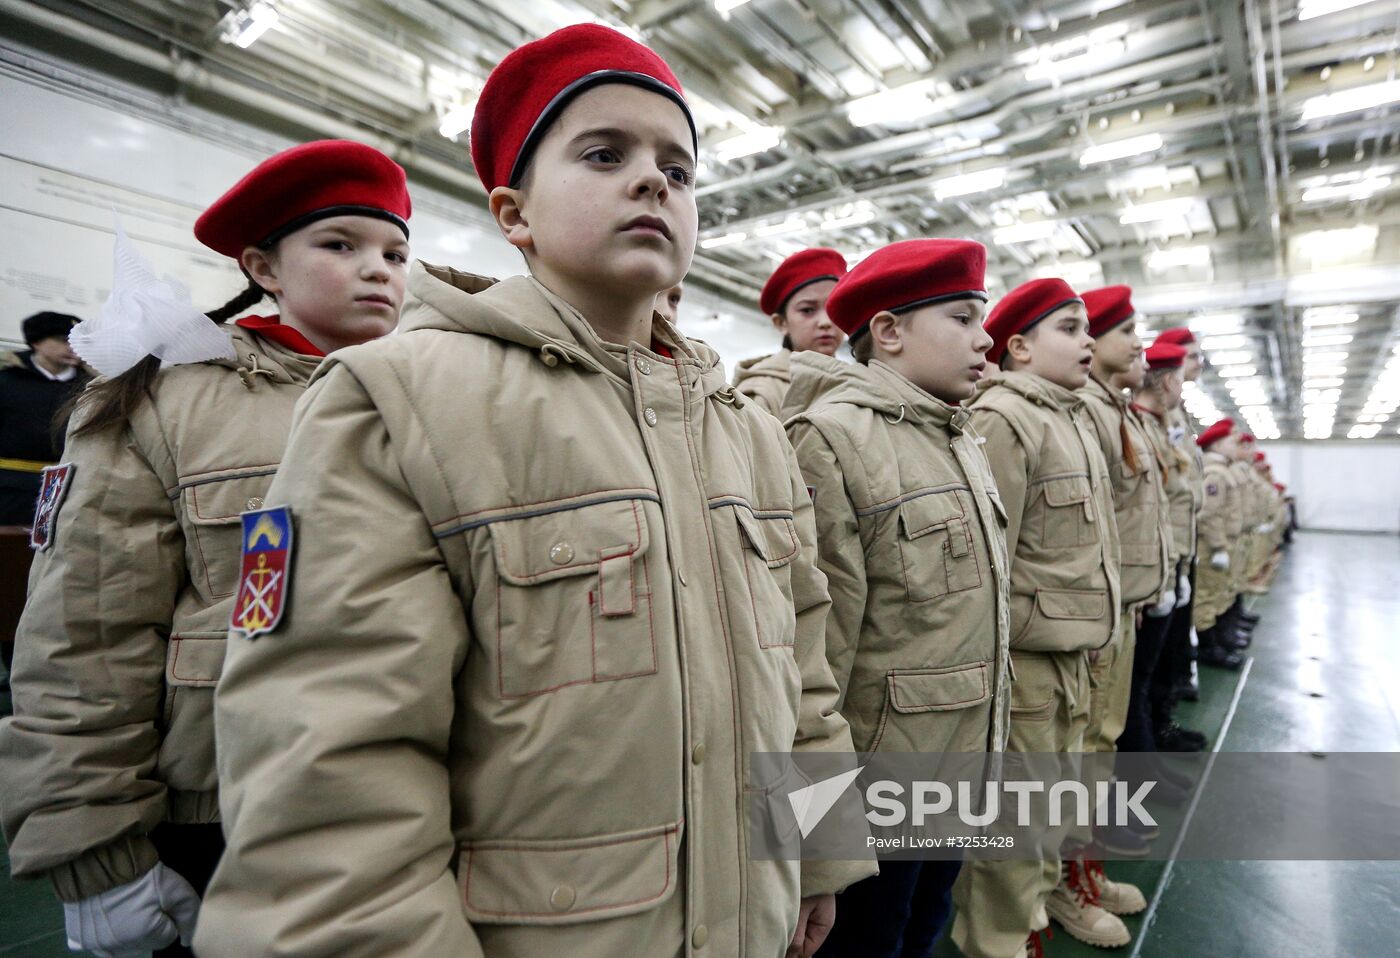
(1215, 432)
(299, 186)
(908, 275)
(1023, 307)
(1177, 336)
(1162, 355)
(1108, 308)
(798, 270)
(534, 83)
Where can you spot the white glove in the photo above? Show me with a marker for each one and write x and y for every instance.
(1264, 528)
(1165, 606)
(134, 919)
(1220, 559)
(1183, 590)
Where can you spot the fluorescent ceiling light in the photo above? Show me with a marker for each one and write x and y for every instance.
(1363, 431)
(965, 184)
(1339, 243)
(856, 214)
(1351, 101)
(1311, 371)
(790, 225)
(1333, 339)
(1212, 343)
(1351, 192)
(1322, 383)
(908, 102)
(1232, 372)
(1232, 358)
(1026, 232)
(1330, 316)
(457, 120)
(1211, 324)
(760, 139)
(1121, 149)
(1312, 396)
(242, 28)
(1048, 68)
(728, 239)
(1182, 256)
(1316, 357)
(725, 7)
(1308, 9)
(1158, 210)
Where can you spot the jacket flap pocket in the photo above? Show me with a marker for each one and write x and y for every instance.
(195, 659)
(564, 882)
(938, 690)
(219, 499)
(772, 537)
(568, 542)
(1066, 490)
(924, 514)
(1071, 604)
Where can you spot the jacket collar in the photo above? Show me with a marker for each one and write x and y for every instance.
(1037, 389)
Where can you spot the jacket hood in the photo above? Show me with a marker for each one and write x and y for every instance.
(772, 366)
(1037, 389)
(819, 380)
(521, 311)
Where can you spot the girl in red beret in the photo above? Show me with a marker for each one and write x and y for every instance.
(554, 584)
(110, 787)
(795, 300)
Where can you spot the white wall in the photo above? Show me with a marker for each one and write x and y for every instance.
(68, 161)
(1339, 484)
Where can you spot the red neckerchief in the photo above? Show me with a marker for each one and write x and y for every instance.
(271, 328)
(660, 348)
(1150, 412)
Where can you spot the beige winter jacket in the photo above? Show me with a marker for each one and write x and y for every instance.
(122, 639)
(911, 534)
(765, 380)
(1222, 518)
(548, 595)
(1139, 501)
(1053, 480)
(1183, 436)
(1179, 483)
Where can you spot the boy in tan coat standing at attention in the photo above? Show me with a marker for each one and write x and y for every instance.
(1053, 481)
(552, 584)
(912, 541)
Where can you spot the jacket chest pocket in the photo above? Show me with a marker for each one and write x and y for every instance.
(212, 509)
(758, 581)
(937, 547)
(1068, 513)
(573, 598)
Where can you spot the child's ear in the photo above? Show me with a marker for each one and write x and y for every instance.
(885, 333)
(261, 267)
(1018, 348)
(508, 209)
(779, 323)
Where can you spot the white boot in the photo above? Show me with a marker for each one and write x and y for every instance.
(1115, 897)
(1074, 904)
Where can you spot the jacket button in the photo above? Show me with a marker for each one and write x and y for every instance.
(643, 366)
(697, 754)
(702, 935)
(562, 898)
(649, 415)
(254, 502)
(561, 553)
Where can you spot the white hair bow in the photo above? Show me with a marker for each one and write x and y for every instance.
(145, 316)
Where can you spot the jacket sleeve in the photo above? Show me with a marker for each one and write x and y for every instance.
(820, 727)
(1011, 467)
(333, 730)
(1210, 526)
(840, 553)
(79, 787)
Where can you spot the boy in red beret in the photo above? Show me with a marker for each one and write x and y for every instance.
(1053, 481)
(795, 299)
(1219, 530)
(557, 583)
(912, 543)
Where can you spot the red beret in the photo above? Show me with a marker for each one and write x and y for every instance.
(1162, 355)
(1280, 486)
(1108, 308)
(1215, 432)
(1247, 437)
(799, 270)
(299, 186)
(533, 84)
(1177, 335)
(1258, 457)
(908, 275)
(1023, 307)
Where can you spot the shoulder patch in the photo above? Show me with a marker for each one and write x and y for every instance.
(265, 575)
(52, 488)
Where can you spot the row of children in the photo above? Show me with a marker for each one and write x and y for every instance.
(523, 586)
